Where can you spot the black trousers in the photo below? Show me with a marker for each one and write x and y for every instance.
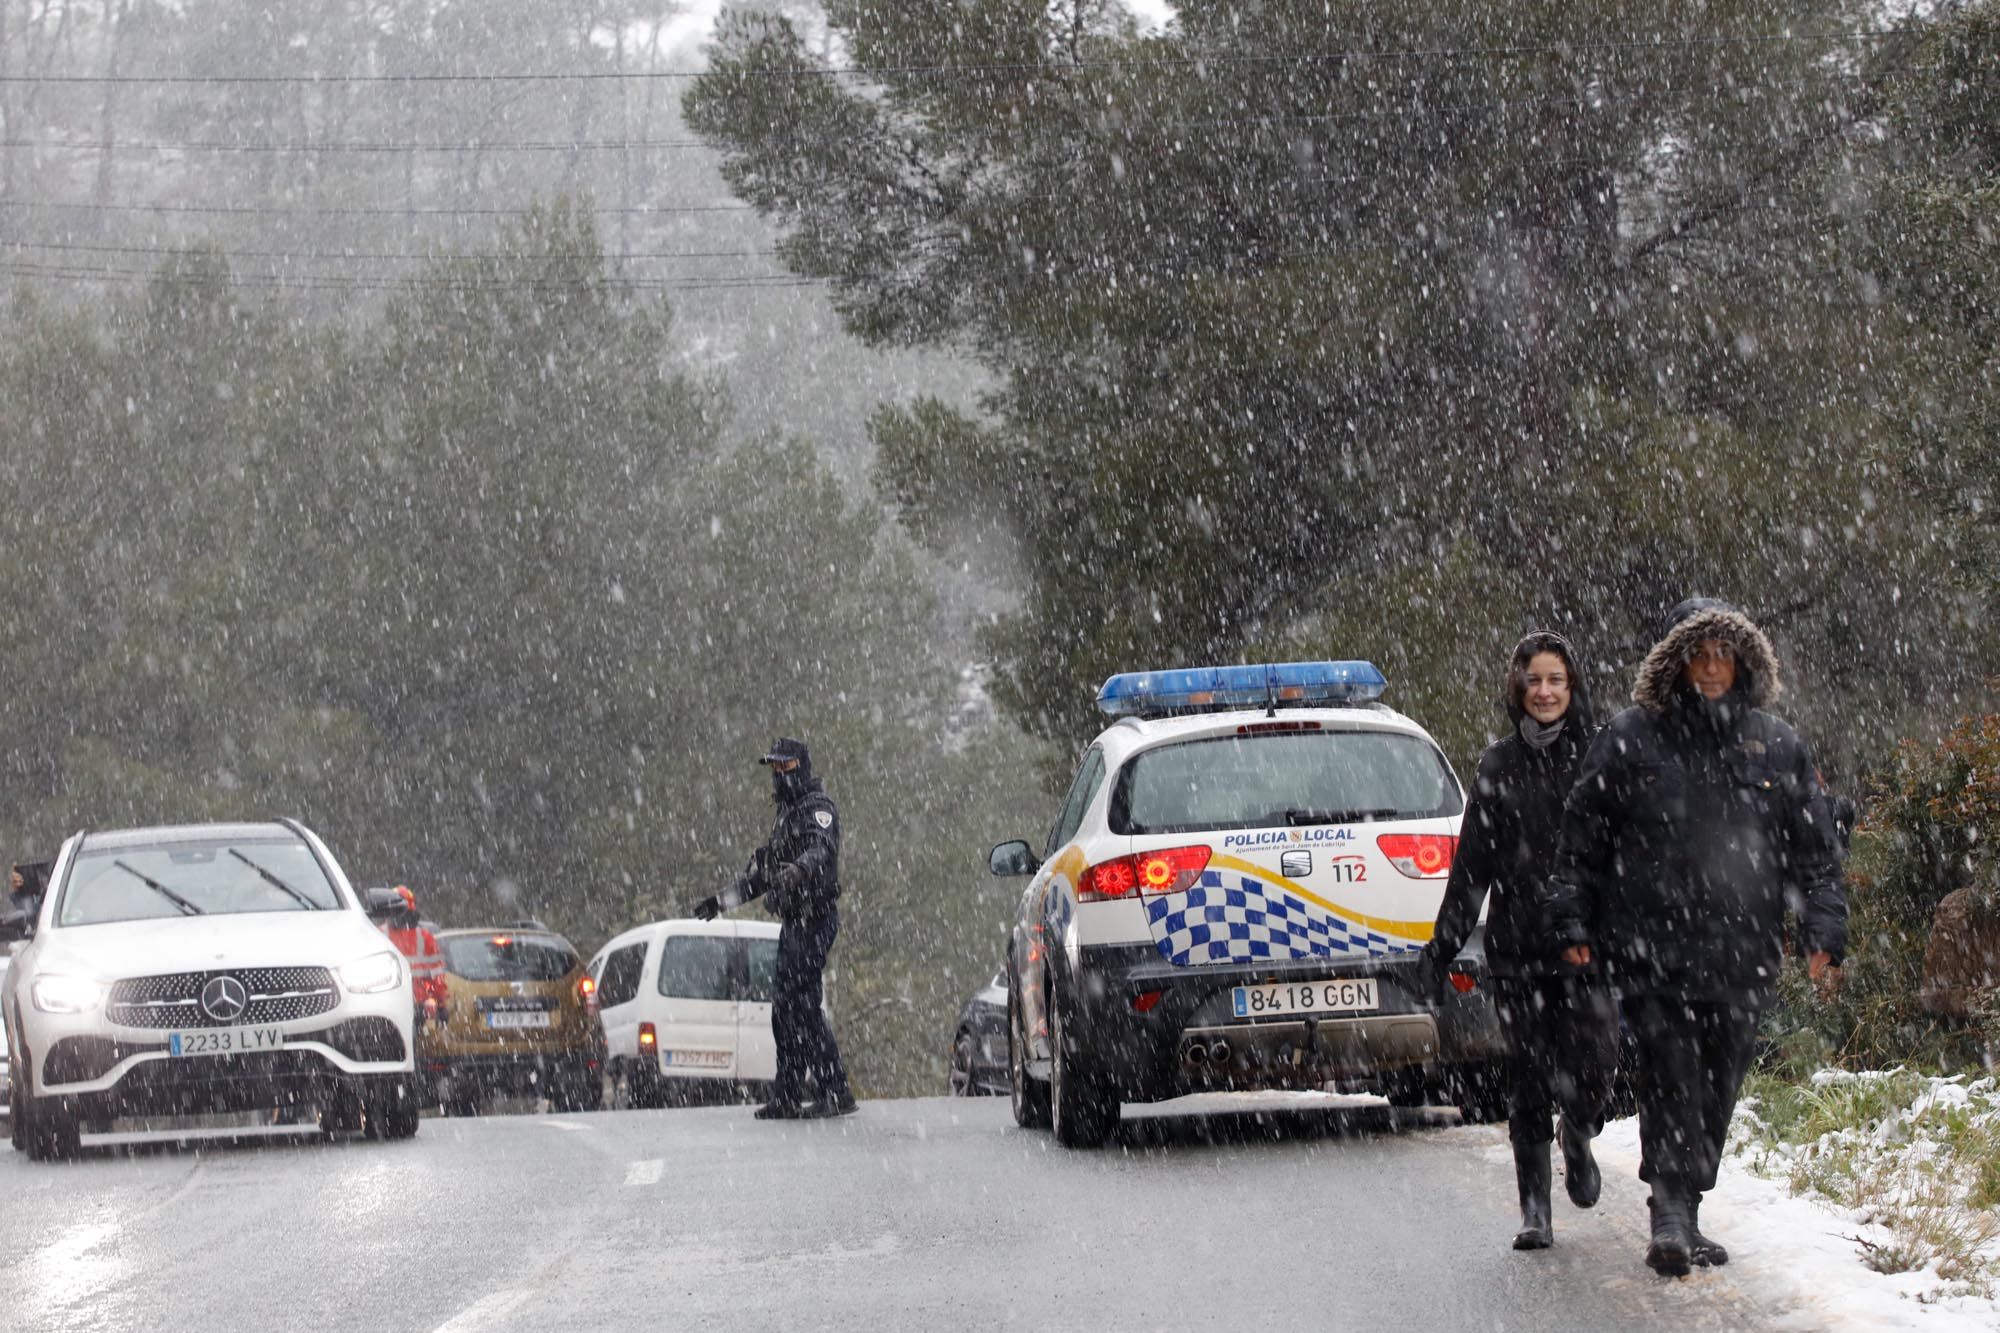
(1562, 1046)
(808, 1058)
(1693, 1055)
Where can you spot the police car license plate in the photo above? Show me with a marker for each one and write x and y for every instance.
(518, 1018)
(695, 1059)
(224, 1041)
(1347, 996)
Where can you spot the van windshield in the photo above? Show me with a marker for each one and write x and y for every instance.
(1283, 779)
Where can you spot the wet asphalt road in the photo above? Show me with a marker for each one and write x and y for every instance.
(932, 1214)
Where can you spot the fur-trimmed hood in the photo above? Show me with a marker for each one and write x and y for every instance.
(1756, 659)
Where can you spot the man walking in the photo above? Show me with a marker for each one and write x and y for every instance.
(1690, 823)
(799, 868)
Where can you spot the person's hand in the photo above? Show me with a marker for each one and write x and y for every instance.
(1577, 954)
(790, 877)
(707, 909)
(1820, 970)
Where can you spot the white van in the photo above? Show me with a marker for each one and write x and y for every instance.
(687, 1011)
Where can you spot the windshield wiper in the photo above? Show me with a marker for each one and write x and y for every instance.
(1298, 817)
(187, 908)
(272, 879)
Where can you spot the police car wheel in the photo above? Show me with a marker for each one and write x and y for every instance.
(1083, 1112)
(1482, 1096)
(1031, 1099)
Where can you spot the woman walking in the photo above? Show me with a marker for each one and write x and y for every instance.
(1559, 1021)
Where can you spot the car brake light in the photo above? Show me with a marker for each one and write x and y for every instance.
(1463, 982)
(649, 1037)
(502, 941)
(1145, 1001)
(1168, 870)
(1419, 855)
(586, 990)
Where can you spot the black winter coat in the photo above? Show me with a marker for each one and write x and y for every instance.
(807, 835)
(1506, 847)
(1689, 824)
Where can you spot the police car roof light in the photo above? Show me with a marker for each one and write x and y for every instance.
(1192, 689)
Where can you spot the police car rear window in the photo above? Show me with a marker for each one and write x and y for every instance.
(1282, 780)
(505, 958)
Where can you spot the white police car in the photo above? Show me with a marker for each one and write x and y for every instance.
(1233, 896)
(203, 968)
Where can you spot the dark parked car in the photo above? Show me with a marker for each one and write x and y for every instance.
(979, 1042)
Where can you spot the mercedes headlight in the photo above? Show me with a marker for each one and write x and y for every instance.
(373, 974)
(57, 994)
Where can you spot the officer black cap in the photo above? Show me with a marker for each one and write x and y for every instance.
(785, 749)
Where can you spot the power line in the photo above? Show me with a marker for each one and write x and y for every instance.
(975, 68)
(635, 210)
(379, 255)
(332, 282)
(354, 146)
(1126, 127)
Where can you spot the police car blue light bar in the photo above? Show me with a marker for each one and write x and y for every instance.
(1137, 693)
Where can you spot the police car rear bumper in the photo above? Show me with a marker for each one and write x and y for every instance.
(1161, 1030)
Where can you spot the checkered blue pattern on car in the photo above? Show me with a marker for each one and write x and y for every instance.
(1231, 917)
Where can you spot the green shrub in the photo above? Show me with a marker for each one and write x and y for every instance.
(1932, 824)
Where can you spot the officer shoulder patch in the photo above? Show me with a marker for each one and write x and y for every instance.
(823, 818)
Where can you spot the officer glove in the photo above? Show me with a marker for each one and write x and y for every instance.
(707, 909)
(790, 878)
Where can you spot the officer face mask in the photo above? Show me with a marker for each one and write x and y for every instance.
(786, 787)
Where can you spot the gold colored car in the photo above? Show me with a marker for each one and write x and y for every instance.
(521, 1017)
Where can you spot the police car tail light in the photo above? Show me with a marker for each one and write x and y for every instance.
(1463, 982)
(1419, 855)
(1167, 870)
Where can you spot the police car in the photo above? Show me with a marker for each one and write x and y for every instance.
(1233, 896)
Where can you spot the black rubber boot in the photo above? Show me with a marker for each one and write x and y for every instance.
(1705, 1252)
(1533, 1176)
(779, 1109)
(1580, 1174)
(1670, 1253)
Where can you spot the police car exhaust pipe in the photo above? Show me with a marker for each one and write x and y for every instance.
(1194, 1053)
(1218, 1052)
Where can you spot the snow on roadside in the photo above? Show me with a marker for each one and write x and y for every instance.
(1808, 1253)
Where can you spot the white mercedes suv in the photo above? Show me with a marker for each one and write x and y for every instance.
(198, 969)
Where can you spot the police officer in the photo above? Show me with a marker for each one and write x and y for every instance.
(1690, 825)
(798, 869)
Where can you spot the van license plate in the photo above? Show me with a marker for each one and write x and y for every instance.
(695, 1059)
(224, 1041)
(1349, 996)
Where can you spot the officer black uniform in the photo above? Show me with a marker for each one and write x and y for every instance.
(798, 870)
